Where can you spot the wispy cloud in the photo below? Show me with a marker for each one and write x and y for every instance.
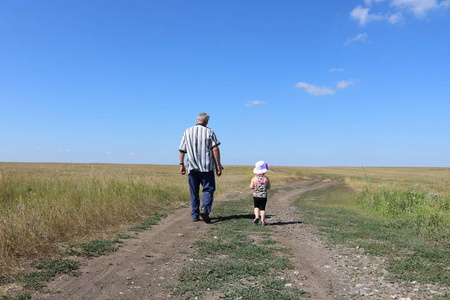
(345, 83)
(38, 149)
(397, 10)
(254, 102)
(325, 90)
(369, 2)
(395, 18)
(315, 90)
(67, 150)
(418, 7)
(108, 152)
(359, 13)
(362, 37)
(339, 69)
(362, 15)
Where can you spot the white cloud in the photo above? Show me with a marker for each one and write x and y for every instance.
(359, 13)
(395, 18)
(67, 150)
(418, 7)
(108, 152)
(363, 16)
(362, 37)
(315, 90)
(397, 10)
(38, 149)
(369, 2)
(254, 102)
(132, 154)
(345, 83)
(339, 69)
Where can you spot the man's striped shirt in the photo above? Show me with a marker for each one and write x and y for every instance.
(197, 142)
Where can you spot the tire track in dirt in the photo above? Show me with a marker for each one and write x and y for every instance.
(140, 269)
(143, 267)
(307, 250)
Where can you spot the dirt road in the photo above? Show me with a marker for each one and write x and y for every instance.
(144, 267)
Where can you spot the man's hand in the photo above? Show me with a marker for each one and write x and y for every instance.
(182, 167)
(219, 171)
(216, 153)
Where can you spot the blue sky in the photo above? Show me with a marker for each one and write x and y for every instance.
(295, 83)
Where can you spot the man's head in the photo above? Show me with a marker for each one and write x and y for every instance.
(203, 118)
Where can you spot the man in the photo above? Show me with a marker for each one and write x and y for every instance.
(202, 148)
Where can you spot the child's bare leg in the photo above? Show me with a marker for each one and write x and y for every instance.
(263, 216)
(256, 212)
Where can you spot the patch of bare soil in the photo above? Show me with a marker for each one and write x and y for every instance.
(145, 266)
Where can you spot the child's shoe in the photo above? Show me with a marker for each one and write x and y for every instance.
(256, 220)
(263, 223)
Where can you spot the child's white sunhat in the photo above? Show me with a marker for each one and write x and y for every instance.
(261, 167)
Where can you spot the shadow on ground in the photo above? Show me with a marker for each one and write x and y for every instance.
(232, 217)
(251, 216)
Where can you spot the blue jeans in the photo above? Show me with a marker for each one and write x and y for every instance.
(208, 182)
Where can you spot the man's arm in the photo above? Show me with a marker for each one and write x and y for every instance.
(182, 167)
(216, 153)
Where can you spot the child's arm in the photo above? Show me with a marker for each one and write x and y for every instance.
(252, 183)
(268, 183)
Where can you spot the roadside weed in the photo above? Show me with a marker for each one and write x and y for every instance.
(147, 222)
(25, 296)
(124, 236)
(414, 207)
(411, 255)
(94, 248)
(268, 289)
(47, 270)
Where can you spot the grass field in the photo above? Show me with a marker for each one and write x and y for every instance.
(435, 180)
(413, 249)
(45, 205)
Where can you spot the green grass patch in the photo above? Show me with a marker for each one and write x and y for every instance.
(230, 262)
(25, 296)
(47, 270)
(415, 207)
(125, 236)
(267, 289)
(148, 222)
(268, 242)
(411, 255)
(94, 248)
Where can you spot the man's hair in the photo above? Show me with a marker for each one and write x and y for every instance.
(203, 117)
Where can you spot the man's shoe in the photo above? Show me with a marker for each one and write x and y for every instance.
(205, 216)
(196, 220)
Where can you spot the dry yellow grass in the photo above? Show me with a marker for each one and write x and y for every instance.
(42, 204)
(436, 180)
(45, 204)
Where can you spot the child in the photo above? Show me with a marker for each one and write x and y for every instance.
(260, 184)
